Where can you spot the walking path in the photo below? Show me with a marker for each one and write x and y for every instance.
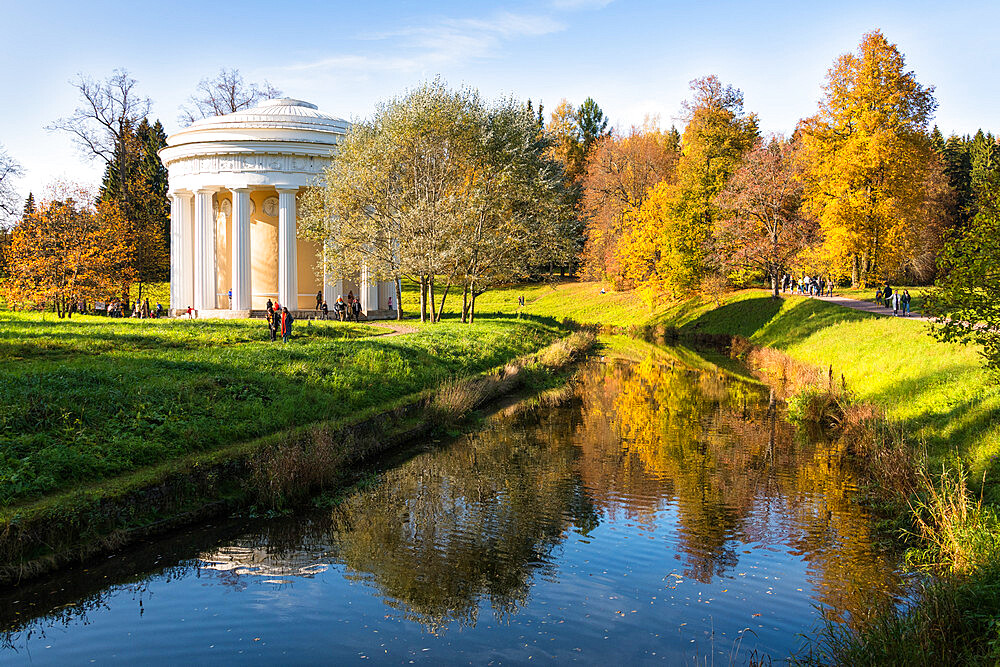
(392, 329)
(870, 307)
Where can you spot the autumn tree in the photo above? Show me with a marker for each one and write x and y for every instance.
(868, 154)
(110, 126)
(226, 93)
(764, 228)
(621, 171)
(440, 183)
(67, 249)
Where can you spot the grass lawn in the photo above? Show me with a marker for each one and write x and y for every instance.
(579, 301)
(91, 398)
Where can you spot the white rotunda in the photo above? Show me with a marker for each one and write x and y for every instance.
(233, 186)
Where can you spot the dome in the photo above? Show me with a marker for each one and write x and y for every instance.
(282, 119)
(281, 141)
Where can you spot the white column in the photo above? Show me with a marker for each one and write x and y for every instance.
(329, 288)
(368, 289)
(241, 249)
(287, 267)
(175, 251)
(181, 252)
(204, 251)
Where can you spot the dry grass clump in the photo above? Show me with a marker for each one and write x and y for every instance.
(299, 464)
(881, 448)
(565, 350)
(456, 398)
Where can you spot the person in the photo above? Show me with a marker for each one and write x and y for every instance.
(190, 313)
(520, 301)
(829, 287)
(326, 310)
(286, 325)
(276, 318)
(145, 308)
(319, 300)
(356, 307)
(905, 301)
(230, 297)
(341, 308)
(271, 322)
(270, 306)
(390, 303)
(159, 310)
(895, 304)
(887, 295)
(878, 296)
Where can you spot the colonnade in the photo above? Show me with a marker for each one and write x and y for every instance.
(193, 249)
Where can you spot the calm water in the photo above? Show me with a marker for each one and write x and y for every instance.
(664, 514)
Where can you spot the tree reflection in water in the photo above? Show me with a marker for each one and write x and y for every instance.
(700, 459)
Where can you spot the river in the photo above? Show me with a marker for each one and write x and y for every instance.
(664, 512)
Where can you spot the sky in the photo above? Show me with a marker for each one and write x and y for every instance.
(635, 58)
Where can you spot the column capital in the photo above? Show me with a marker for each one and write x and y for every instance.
(287, 189)
(180, 192)
(243, 189)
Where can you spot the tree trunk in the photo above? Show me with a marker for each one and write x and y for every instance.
(397, 283)
(443, 297)
(472, 304)
(430, 295)
(465, 303)
(423, 298)
(774, 284)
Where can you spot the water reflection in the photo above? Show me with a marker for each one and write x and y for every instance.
(698, 464)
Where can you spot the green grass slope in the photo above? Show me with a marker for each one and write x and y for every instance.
(90, 398)
(940, 391)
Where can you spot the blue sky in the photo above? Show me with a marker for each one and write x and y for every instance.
(634, 58)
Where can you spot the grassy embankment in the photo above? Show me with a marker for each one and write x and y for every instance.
(92, 408)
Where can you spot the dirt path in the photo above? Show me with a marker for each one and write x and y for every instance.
(392, 329)
(869, 307)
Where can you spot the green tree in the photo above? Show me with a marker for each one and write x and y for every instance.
(717, 135)
(591, 124)
(967, 301)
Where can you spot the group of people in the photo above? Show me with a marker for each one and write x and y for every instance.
(889, 298)
(806, 285)
(279, 320)
(344, 310)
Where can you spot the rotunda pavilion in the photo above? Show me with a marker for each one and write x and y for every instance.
(234, 180)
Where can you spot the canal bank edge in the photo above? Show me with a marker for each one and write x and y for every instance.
(267, 472)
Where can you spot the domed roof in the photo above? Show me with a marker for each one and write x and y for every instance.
(283, 119)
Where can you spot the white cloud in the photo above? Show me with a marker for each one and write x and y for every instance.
(580, 4)
(434, 45)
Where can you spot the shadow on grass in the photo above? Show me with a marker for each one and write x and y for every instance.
(741, 318)
(800, 320)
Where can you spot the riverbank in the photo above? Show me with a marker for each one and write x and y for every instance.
(921, 419)
(118, 428)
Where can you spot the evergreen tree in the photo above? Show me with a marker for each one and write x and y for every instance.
(937, 140)
(591, 124)
(29, 204)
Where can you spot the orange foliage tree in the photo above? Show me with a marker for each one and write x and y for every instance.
(621, 170)
(65, 251)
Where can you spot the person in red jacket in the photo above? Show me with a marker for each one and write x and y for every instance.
(286, 325)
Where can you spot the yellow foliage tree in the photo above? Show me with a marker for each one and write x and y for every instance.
(868, 158)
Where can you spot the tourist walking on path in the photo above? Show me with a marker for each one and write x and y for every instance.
(357, 310)
(319, 300)
(286, 325)
(341, 308)
(895, 304)
(887, 295)
(878, 296)
(325, 310)
(905, 302)
(271, 322)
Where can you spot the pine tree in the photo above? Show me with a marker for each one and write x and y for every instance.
(29, 204)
